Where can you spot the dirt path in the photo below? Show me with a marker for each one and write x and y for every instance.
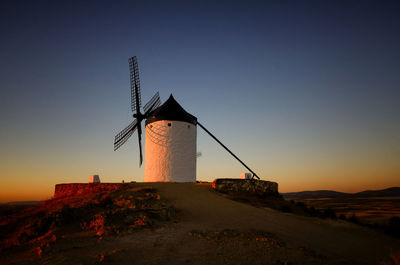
(202, 208)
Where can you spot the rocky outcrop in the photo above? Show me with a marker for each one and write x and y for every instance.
(246, 187)
(76, 189)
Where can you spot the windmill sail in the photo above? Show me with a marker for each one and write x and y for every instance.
(140, 150)
(153, 103)
(124, 135)
(136, 103)
(136, 99)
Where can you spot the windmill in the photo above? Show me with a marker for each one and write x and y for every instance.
(171, 135)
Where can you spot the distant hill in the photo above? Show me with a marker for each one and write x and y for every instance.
(394, 191)
(21, 203)
(315, 194)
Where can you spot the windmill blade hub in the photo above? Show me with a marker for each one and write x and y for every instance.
(139, 116)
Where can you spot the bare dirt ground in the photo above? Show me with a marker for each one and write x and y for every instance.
(209, 228)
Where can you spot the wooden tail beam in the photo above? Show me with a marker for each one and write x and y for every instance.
(226, 148)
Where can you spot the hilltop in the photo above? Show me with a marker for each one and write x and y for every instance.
(181, 223)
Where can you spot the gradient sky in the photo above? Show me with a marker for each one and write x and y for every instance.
(307, 93)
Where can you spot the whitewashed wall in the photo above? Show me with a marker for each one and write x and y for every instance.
(170, 152)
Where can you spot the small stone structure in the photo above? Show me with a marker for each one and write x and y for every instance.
(260, 188)
(94, 179)
(246, 176)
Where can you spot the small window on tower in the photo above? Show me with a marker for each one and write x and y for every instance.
(169, 124)
(188, 126)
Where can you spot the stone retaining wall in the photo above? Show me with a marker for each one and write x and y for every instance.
(74, 189)
(260, 188)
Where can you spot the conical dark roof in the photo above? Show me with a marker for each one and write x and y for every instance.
(171, 110)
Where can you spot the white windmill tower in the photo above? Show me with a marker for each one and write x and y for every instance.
(170, 150)
(171, 134)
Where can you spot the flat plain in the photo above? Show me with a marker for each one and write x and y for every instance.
(368, 210)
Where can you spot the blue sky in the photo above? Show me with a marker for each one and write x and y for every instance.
(305, 92)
